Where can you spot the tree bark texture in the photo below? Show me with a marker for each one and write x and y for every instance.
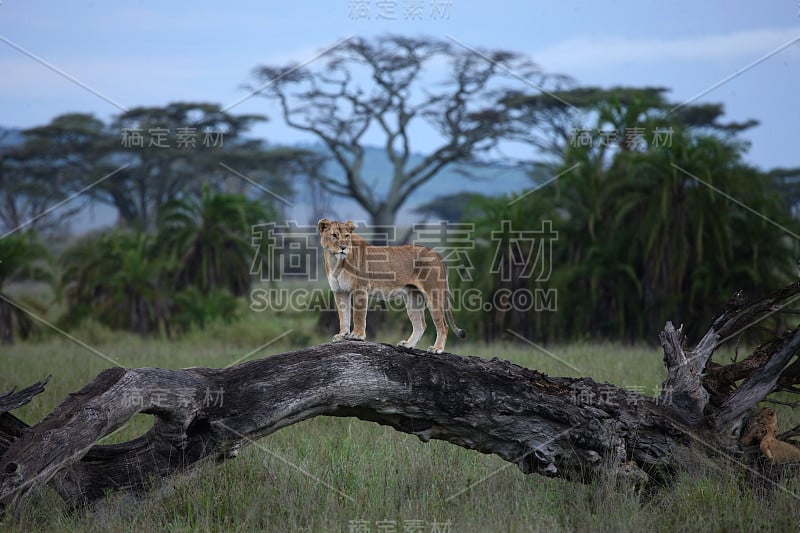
(571, 428)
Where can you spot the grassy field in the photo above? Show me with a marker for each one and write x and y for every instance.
(330, 474)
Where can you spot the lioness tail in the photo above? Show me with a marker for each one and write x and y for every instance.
(452, 322)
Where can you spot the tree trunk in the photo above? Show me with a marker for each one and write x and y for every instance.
(571, 428)
(383, 220)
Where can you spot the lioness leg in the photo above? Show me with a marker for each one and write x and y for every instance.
(415, 308)
(435, 300)
(342, 300)
(360, 300)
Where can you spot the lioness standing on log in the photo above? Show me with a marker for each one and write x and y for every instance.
(357, 270)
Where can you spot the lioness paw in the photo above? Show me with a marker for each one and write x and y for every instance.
(405, 344)
(340, 337)
(354, 337)
(434, 349)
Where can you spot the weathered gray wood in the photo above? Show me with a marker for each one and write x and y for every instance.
(11, 400)
(761, 383)
(572, 428)
(11, 427)
(683, 388)
(564, 427)
(721, 397)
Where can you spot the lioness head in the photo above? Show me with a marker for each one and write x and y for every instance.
(336, 236)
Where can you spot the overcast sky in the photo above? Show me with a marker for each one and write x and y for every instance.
(127, 54)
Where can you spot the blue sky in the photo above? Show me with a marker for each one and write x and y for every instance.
(152, 53)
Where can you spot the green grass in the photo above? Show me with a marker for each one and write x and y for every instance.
(326, 473)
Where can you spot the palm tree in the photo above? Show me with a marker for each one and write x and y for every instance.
(21, 257)
(117, 279)
(645, 235)
(208, 240)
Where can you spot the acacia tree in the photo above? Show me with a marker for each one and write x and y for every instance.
(182, 145)
(552, 122)
(52, 162)
(647, 229)
(140, 160)
(391, 87)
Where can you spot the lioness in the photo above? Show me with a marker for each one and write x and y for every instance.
(357, 270)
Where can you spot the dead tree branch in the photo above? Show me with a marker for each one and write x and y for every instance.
(572, 428)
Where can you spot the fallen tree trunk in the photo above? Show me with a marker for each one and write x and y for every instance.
(572, 428)
(494, 406)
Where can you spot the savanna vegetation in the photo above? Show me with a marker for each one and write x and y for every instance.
(284, 481)
(661, 221)
(639, 211)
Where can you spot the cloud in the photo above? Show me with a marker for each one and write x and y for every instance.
(594, 53)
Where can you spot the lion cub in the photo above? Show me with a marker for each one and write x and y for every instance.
(415, 274)
(757, 427)
(773, 449)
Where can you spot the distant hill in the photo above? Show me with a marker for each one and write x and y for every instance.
(10, 137)
(491, 181)
(494, 180)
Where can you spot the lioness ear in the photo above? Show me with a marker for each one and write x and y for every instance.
(323, 224)
(350, 226)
